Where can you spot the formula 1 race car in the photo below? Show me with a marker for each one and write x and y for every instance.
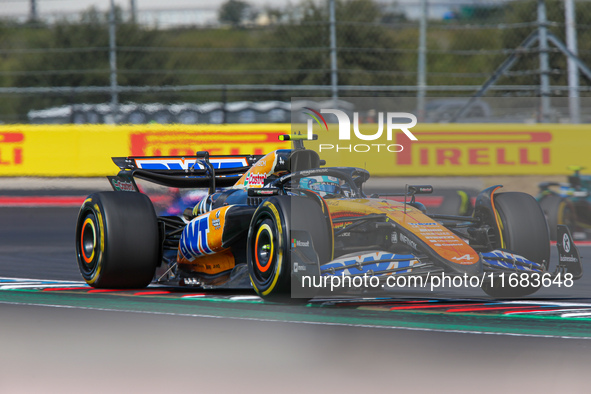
(270, 221)
(568, 204)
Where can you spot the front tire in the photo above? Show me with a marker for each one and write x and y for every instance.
(524, 232)
(269, 239)
(117, 241)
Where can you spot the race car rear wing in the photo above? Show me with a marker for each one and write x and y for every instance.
(199, 171)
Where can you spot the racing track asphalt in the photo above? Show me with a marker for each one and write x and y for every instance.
(85, 342)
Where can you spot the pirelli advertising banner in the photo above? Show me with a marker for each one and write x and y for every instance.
(492, 149)
(86, 150)
(461, 149)
(439, 149)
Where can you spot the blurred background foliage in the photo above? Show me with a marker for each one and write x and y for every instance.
(377, 46)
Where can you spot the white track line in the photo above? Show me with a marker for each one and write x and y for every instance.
(40, 280)
(39, 286)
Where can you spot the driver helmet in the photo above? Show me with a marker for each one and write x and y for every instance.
(321, 184)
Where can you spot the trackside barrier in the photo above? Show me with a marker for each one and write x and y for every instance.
(461, 149)
(441, 149)
(86, 150)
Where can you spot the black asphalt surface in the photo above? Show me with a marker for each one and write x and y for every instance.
(38, 243)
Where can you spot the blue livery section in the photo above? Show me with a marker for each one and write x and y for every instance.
(170, 163)
(194, 238)
(519, 262)
(372, 263)
(369, 262)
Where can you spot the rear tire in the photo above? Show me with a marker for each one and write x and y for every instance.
(525, 232)
(268, 246)
(117, 241)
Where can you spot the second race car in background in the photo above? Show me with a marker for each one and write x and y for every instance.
(568, 204)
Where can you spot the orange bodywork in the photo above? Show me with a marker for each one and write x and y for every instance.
(210, 264)
(200, 249)
(256, 175)
(445, 243)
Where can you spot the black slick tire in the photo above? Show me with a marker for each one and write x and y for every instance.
(117, 241)
(524, 232)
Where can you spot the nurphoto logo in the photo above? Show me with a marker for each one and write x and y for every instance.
(392, 123)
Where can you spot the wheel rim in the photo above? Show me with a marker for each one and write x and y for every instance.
(264, 248)
(88, 240)
(87, 245)
(264, 251)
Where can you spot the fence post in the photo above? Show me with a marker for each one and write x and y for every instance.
(544, 64)
(113, 63)
(422, 62)
(133, 11)
(33, 17)
(333, 53)
(573, 70)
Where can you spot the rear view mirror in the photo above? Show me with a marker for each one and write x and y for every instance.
(420, 189)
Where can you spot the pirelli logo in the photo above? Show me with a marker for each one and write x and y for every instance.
(473, 148)
(11, 148)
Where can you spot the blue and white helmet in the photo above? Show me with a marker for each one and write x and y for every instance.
(321, 184)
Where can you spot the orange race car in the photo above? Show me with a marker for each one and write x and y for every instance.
(285, 224)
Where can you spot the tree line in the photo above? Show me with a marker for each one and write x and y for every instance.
(376, 46)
